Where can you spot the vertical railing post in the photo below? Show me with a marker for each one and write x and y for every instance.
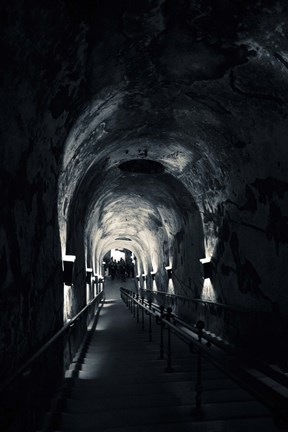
(161, 332)
(131, 301)
(169, 351)
(137, 305)
(134, 305)
(142, 301)
(69, 343)
(150, 322)
(198, 411)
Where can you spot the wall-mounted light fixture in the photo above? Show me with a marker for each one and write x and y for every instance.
(144, 276)
(138, 278)
(88, 275)
(169, 271)
(68, 269)
(207, 267)
(153, 275)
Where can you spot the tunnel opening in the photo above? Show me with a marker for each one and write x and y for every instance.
(119, 263)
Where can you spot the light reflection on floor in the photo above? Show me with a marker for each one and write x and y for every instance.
(98, 359)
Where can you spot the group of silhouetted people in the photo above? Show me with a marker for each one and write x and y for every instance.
(120, 269)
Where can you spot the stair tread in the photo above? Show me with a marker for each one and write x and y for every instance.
(134, 416)
(183, 398)
(231, 425)
(122, 387)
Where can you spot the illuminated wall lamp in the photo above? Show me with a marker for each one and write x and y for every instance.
(88, 275)
(144, 276)
(153, 275)
(138, 278)
(169, 271)
(68, 269)
(207, 267)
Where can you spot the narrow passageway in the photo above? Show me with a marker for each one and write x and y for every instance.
(156, 129)
(112, 287)
(122, 385)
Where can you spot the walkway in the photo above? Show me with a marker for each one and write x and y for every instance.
(123, 387)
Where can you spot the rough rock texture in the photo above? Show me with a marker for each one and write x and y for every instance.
(199, 87)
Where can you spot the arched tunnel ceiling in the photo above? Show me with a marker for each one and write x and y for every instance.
(147, 209)
(188, 84)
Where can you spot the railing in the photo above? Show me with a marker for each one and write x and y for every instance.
(27, 394)
(241, 325)
(239, 368)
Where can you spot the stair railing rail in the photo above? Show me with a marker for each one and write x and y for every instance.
(27, 393)
(206, 309)
(263, 366)
(240, 371)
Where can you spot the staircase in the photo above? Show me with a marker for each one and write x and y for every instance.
(121, 386)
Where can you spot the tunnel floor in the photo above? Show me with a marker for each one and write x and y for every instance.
(122, 384)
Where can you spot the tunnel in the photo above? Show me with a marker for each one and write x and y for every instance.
(157, 127)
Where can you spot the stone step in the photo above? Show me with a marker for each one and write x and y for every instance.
(88, 389)
(231, 425)
(157, 415)
(148, 376)
(129, 366)
(167, 399)
(122, 387)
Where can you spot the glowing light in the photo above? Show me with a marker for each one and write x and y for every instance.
(67, 303)
(69, 258)
(208, 292)
(171, 289)
(87, 293)
(154, 286)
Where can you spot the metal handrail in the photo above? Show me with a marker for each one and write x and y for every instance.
(243, 375)
(264, 367)
(31, 360)
(199, 301)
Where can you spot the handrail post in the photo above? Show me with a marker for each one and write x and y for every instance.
(137, 298)
(69, 343)
(169, 352)
(161, 332)
(134, 305)
(198, 411)
(131, 303)
(142, 301)
(150, 322)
